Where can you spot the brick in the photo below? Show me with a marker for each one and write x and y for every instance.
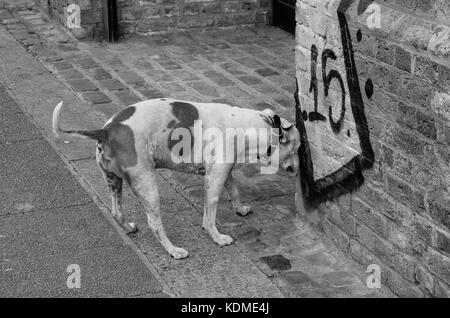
(247, 233)
(112, 84)
(184, 75)
(211, 8)
(218, 78)
(72, 74)
(439, 208)
(426, 125)
(427, 70)
(442, 289)
(150, 93)
(82, 85)
(62, 65)
(443, 242)
(423, 229)
(267, 72)
(170, 65)
(388, 156)
(191, 9)
(389, 277)
(424, 278)
(416, 173)
(250, 80)
(142, 64)
(232, 68)
(100, 73)
(249, 62)
(370, 218)
(439, 264)
(87, 63)
(415, 91)
(385, 52)
(443, 132)
(97, 97)
(159, 76)
(340, 238)
(398, 285)
(204, 89)
(406, 115)
(403, 192)
(132, 78)
(405, 141)
(380, 248)
(173, 88)
(127, 97)
(276, 262)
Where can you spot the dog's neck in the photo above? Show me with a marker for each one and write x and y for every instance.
(273, 138)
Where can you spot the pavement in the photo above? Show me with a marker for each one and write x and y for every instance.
(48, 222)
(277, 253)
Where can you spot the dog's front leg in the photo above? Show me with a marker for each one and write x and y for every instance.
(215, 179)
(233, 191)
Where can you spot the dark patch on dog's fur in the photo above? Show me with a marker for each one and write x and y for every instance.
(121, 139)
(186, 114)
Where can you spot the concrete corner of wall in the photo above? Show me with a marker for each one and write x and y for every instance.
(374, 114)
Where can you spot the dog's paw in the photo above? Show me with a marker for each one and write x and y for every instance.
(243, 210)
(223, 240)
(178, 253)
(131, 228)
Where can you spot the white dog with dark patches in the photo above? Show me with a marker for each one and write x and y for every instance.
(140, 139)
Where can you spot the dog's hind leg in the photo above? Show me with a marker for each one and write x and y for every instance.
(215, 179)
(145, 186)
(115, 186)
(233, 191)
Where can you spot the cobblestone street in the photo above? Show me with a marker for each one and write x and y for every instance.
(277, 253)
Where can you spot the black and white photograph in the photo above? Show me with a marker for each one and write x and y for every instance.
(224, 156)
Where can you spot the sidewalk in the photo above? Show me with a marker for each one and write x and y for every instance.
(48, 222)
(277, 253)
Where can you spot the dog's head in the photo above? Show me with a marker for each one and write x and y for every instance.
(288, 145)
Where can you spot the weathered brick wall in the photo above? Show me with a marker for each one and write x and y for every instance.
(375, 169)
(90, 14)
(152, 16)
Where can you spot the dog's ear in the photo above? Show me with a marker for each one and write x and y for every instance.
(276, 121)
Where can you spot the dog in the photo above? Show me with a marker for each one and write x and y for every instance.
(139, 139)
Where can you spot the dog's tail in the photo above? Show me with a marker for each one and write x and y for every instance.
(100, 135)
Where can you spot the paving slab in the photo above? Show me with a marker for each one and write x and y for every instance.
(49, 224)
(43, 182)
(105, 272)
(53, 231)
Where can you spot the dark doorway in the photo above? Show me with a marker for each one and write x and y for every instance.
(110, 20)
(284, 15)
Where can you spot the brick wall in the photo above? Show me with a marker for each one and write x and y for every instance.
(152, 16)
(156, 16)
(374, 112)
(90, 15)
